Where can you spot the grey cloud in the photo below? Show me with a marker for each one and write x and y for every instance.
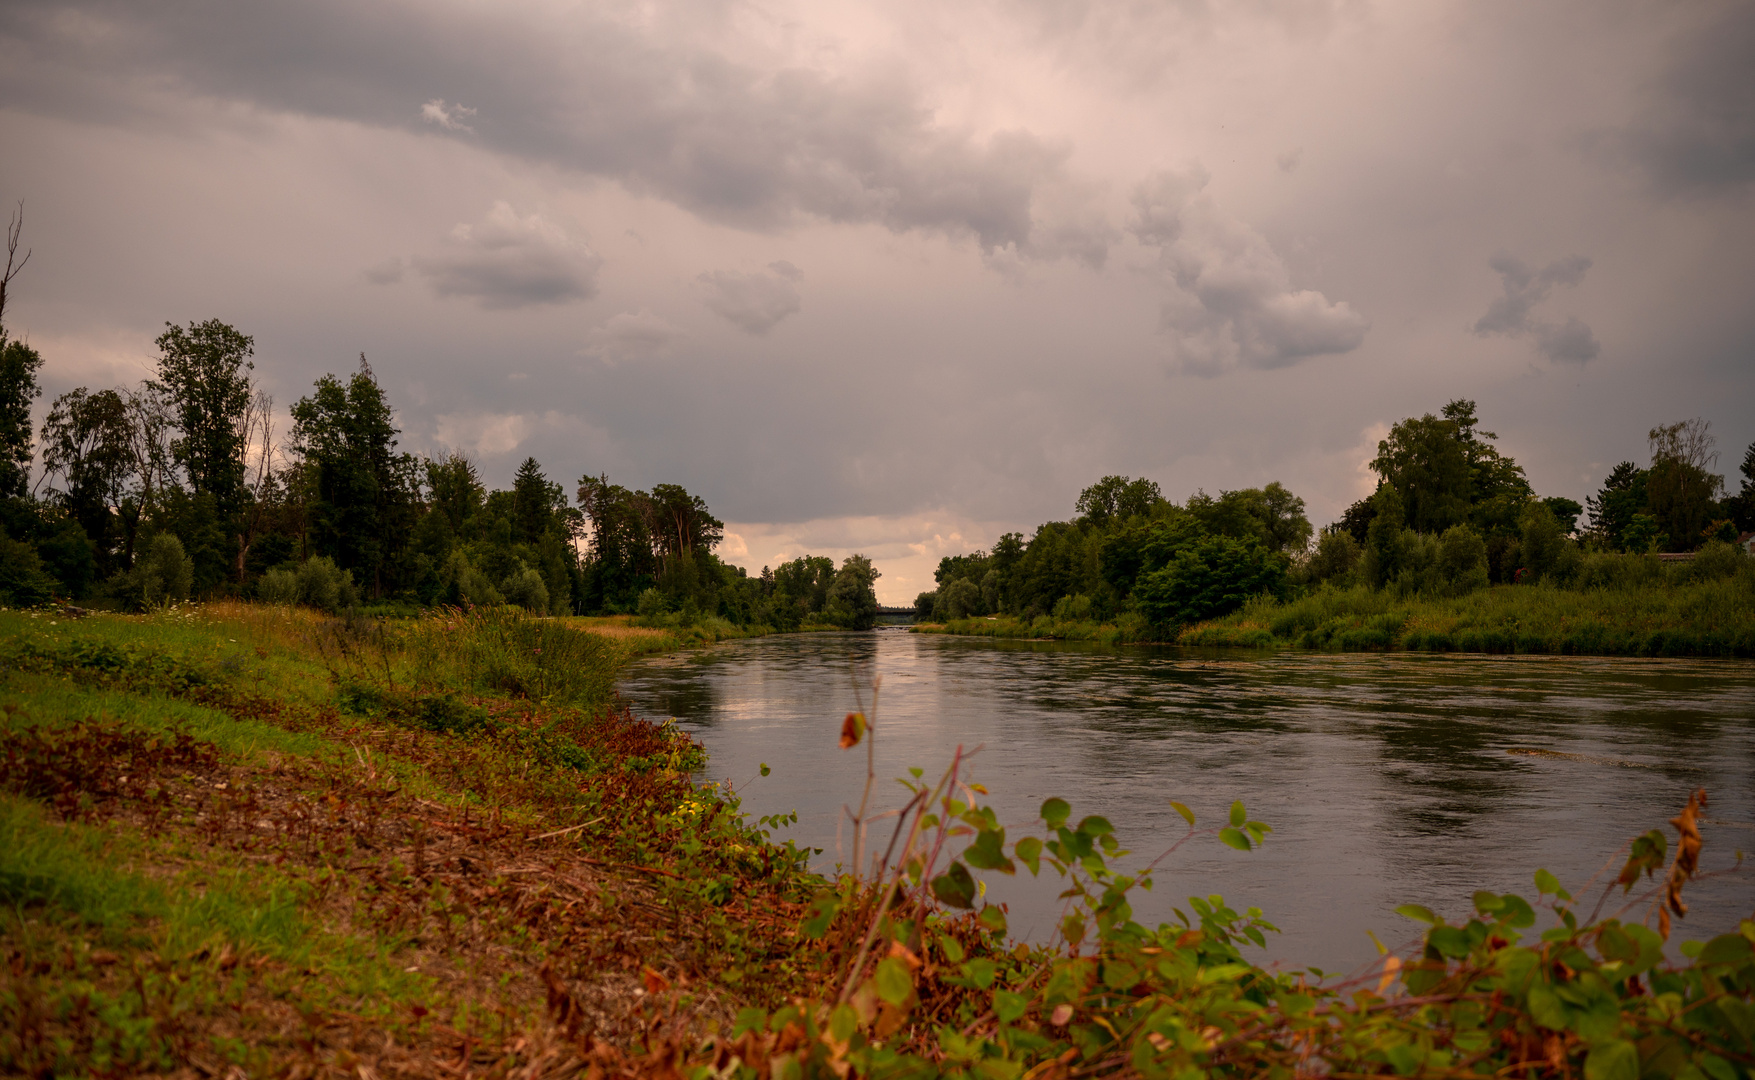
(632, 335)
(388, 272)
(1512, 313)
(1232, 302)
(729, 141)
(1699, 135)
(506, 262)
(754, 301)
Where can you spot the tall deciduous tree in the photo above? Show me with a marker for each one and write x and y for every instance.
(18, 380)
(205, 370)
(87, 451)
(19, 364)
(346, 436)
(1680, 486)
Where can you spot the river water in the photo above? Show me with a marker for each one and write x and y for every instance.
(1387, 779)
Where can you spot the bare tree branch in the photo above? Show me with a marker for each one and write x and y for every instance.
(14, 227)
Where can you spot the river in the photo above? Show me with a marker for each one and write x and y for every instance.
(1388, 779)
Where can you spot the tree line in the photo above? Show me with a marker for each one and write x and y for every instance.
(179, 487)
(1451, 513)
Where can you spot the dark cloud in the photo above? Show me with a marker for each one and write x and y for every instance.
(732, 142)
(1512, 313)
(1232, 303)
(506, 262)
(1699, 136)
(754, 301)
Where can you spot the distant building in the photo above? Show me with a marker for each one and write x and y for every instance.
(1746, 541)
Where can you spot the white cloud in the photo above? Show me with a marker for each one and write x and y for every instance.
(757, 300)
(632, 335)
(1231, 301)
(491, 434)
(449, 117)
(505, 262)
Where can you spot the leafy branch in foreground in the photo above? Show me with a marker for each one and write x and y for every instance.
(925, 982)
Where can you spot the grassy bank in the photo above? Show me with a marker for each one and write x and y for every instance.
(1714, 618)
(257, 841)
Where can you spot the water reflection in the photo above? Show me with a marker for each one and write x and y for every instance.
(1387, 779)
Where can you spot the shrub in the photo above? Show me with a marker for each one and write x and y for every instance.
(278, 586)
(1216, 576)
(1076, 608)
(526, 589)
(958, 600)
(325, 586)
(162, 574)
(1462, 560)
(24, 582)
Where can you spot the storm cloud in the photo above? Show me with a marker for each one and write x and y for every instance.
(1512, 313)
(574, 231)
(583, 90)
(1232, 302)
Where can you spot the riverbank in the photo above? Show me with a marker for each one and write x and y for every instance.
(238, 838)
(1705, 619)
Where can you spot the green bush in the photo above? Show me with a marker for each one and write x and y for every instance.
(526, 589)
(162, 575)
(24, 582)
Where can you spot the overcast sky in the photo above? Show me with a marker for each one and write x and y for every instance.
(897, 277)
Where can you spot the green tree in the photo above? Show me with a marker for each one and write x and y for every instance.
(1542, 540)
(1462, 560)
(1216, 576)
(852, 600)
(1565, 511)
(1386, 548)
(19, 364)
(1447, 472)
(18, 380)
(1118, 498)
(204, 369)
(1613, 507)
(1680, 487)
(87, 439)
(363, 511)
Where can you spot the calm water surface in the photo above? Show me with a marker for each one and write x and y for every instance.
(1387, 778)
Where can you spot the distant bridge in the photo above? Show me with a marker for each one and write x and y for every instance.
(896, 612)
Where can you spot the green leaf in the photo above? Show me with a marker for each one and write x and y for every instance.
(1234, 838)
(894, 983)
(980, 971)
(822, 913)
(1419, 913)
(765, 769)
(993, 918)
(1055, 812)
(951, 948)
(1029, 849)
(955, 887)
(988, 852)
(1613, 1059)
(843, 1022)
(1549, 885)
(1238, 817)
(1009, 1006)
(1187, 814)
(1096, 826)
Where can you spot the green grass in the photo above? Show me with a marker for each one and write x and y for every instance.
(1683, 618)
(1714, 618)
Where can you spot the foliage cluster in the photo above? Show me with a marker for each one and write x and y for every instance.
(1130, 550)
(177, 489)
(1451, 516)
